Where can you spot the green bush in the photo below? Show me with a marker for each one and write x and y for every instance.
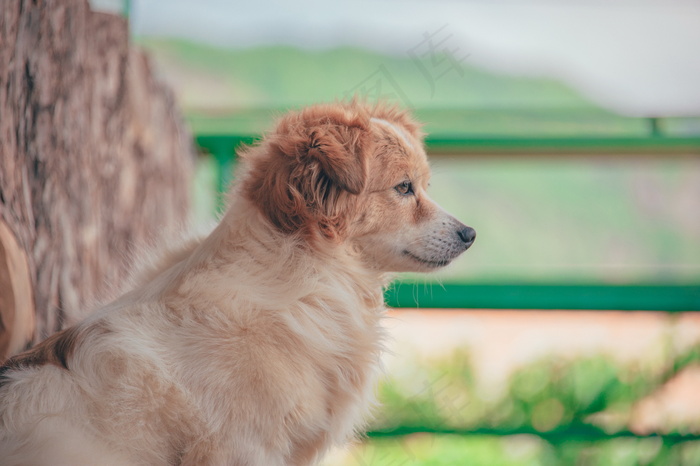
(554, 411)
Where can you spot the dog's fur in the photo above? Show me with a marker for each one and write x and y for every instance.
(259, 344)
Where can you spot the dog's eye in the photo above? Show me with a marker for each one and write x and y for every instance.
(405, 188)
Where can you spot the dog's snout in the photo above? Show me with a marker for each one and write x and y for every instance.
(467, 235)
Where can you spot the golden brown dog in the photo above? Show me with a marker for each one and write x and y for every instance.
(259, 344)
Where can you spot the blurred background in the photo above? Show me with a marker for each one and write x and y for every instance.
(568, 135)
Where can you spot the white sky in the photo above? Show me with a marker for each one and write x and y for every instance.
(639, 57)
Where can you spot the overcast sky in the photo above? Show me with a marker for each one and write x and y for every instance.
(639, 57)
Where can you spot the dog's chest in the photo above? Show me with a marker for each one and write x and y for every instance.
(302, 375)
(338, 394)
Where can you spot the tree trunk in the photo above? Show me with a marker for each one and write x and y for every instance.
(94, 161)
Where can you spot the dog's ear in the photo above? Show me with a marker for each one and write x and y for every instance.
(311, 167)
(336, 138)
(340, 152)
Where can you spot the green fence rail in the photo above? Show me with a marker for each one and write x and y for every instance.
(638, 297)
(582, 432)
(223, 147)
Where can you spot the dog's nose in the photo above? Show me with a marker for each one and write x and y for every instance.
(468, 235)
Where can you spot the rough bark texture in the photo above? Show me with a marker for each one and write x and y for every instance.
(94, 161)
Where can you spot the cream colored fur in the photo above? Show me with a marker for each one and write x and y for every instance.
(254, 345)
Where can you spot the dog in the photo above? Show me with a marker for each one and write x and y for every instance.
(260, 343)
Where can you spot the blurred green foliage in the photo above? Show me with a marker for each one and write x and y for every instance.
(553, 411)
(519, 450)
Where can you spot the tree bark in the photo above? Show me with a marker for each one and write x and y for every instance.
(94, 162)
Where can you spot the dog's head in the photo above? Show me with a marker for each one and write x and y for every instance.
(355, 174)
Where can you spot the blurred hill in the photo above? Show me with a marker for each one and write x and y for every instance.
(239, 90)
(281, 76)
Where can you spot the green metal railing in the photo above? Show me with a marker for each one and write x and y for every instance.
(638, 297)
(582, 432)
(223, 147)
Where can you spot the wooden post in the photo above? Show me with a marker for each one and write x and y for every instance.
(95, 161)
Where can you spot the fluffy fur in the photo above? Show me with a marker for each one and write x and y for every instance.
(258, 344)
